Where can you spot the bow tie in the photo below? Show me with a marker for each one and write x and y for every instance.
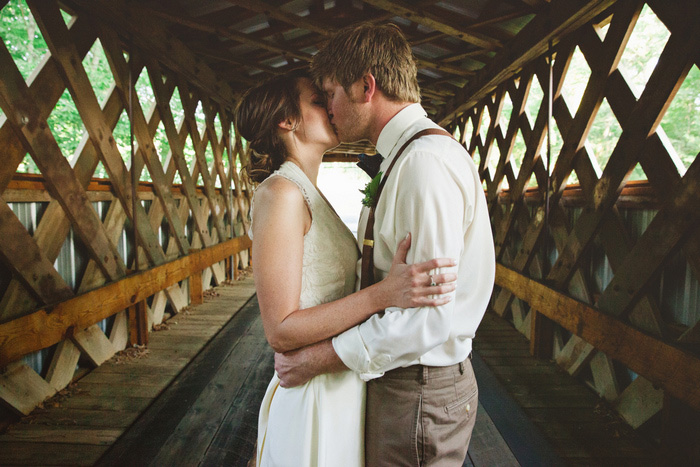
(370, 164)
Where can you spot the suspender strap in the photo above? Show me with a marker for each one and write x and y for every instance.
(367, 277)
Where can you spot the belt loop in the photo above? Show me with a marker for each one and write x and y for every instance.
(424, 375)
(461, 368)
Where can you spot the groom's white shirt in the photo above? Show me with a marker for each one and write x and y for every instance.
(434, 192)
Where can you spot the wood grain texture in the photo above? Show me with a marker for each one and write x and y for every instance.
(49, 326)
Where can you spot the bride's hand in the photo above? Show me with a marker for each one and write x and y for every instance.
(412, 285)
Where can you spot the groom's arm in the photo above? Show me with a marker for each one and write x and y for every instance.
(299, 366)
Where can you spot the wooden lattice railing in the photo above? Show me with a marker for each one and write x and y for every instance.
(622, 325)
(202, 225)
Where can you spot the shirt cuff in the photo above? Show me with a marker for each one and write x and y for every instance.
(352, 351)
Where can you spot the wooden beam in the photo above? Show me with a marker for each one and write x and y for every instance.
(49, 326)
(47, 88)
(671, 368)
(673, 65)
(427, 17)
(444, 67)
(145, 140)
(22, 389)
(151, 35)
(55, 32)
(138, 323)
(550, 24)
(24, 258)
(278, 13)
(199, 144)
(24, 116)
(225, 33)
(93, 343)
(670, 226)
(177, 150)
(196, 289)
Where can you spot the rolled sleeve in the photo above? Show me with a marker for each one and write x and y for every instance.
(351, 349)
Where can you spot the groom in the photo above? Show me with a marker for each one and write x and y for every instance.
(421, 392)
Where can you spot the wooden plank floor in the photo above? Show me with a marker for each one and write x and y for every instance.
(77, 426)
(194, 401)
(575, 422)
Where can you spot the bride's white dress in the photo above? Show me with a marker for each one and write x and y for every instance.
(322, 422)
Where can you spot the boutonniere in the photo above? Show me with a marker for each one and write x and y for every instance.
(371, 190)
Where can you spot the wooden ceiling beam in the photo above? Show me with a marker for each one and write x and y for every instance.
(427, 18)
(553, 22)
(226, 33)
(444, 67)
(228, 58)
(279, 14)
(152, 36)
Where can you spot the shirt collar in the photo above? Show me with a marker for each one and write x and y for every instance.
(394, 130)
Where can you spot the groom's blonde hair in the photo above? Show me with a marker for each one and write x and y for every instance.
(378, 49)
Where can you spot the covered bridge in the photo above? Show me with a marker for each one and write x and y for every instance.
(128, 327)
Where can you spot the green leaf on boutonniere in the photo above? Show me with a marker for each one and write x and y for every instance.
(371, 190)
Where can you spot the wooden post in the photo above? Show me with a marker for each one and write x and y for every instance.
(138, 323)
(228, 264)
(196, 293)
(541, 335)
(236, 262)
(680, 433)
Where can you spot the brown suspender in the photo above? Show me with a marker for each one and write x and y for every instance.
(367, 277)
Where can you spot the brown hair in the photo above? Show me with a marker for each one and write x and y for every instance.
(378, 49)
(257, 116)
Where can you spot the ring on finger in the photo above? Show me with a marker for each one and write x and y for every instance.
(432, 281)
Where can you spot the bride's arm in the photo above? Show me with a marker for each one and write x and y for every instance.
(281, 219)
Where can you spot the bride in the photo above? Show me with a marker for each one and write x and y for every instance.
(304, 261)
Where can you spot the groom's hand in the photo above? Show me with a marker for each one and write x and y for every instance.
(296, 367)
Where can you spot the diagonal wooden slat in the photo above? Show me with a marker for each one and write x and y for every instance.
(233, 154)
(46, 327)
(32, 268)
(619, 32)
(554, 21)
(62, 183)
(199, 145)
(145, 140)
(218, 169)
(176, 148)
(676, 370)
(54, 30)
(615, 243)
(663, 83)
(46, 88)
(54, 226)
(669, 227)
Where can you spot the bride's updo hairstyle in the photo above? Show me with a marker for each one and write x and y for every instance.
(257, 116)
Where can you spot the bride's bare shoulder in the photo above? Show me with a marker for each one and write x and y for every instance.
(278, 191)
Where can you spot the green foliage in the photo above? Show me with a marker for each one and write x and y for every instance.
(22, 37)
(681, 120)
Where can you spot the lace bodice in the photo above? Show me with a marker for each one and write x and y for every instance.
(330, 251)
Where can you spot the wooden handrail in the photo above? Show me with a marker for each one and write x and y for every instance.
(666, 366)
(55, 323)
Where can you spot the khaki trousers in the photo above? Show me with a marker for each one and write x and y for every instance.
(420, 416)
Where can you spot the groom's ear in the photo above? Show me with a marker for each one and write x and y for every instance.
(369, 86)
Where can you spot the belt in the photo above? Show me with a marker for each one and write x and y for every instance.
(425, 372)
